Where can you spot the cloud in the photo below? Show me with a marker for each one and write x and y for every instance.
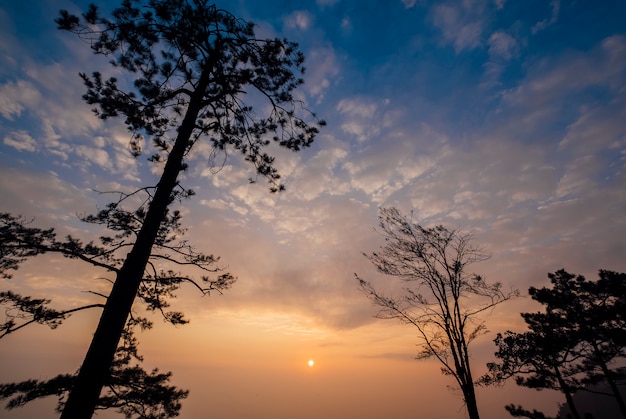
(359, 117)
(322, 69)
(16, 96)
(94, 155)
(320, 174)
(21, 141)
(300, 20)
(597, 129)
(553, 85)
(461, 26)
(42, 195)
(502, 46)
(543, 24)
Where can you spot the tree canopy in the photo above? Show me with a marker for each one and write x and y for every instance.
(578, 339)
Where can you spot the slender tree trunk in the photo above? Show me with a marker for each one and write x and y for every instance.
(95, 369)
(614, 389)
(568, 395)
(611, 380)
(462, 361)
(469, 394)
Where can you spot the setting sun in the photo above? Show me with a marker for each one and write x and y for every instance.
(311, 362)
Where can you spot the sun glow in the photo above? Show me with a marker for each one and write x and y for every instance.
(311, 362)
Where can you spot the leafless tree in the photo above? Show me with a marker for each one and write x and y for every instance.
(441, 299)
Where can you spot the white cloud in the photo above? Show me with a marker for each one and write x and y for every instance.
(94, 155)
(359, 117)
(322, 69)
(62, 106)
(356, 108)
(319, 175)
(16, 96)
(21, 141)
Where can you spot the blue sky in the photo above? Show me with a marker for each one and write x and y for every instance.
(504, 117)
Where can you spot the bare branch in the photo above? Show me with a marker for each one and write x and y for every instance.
(441, 299)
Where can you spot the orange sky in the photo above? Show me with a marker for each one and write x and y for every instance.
(254, 365)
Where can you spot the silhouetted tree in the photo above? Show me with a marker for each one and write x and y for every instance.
(441, 300)
(190, 66)
(594, 314)
(575, 342)
(539, 359)
(130, 390)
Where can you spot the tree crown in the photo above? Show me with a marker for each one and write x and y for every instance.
(179, 53)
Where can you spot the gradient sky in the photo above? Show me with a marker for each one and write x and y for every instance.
(504, 117)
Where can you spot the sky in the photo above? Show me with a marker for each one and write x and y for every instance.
(501, 117)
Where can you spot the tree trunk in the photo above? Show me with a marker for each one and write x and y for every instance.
(94, 371)
(469, 394)
(614, 389)
(464, 370)
(568, 395)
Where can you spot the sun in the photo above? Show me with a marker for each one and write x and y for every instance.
(311, 363)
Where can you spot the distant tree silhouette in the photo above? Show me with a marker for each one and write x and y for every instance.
(442, 300)
(577, 341)
(190, 66)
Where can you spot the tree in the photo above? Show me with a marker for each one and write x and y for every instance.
(129, 389)
(575, 342)
(434, 260)
(594, 313)
(541, 358)
(191, 65)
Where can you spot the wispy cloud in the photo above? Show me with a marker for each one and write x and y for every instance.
(16, 96)
(461, 24)
(555, 6)
(300, 20)
(21, 141)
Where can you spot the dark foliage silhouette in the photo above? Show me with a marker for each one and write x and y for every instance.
(577, 341)
(130, 390)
